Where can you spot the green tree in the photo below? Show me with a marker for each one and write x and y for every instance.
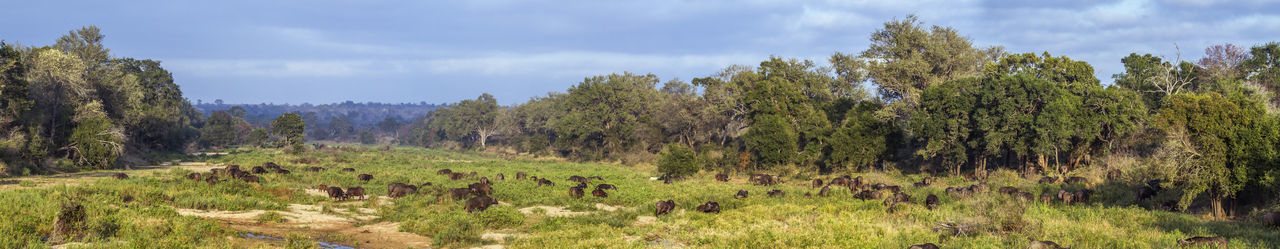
(861, 141)
(1207, 127)
(1263, 67)
(678, 160)
(905, 57)
(220, 129)
(477, 118)
(95, 142)
(944, 120)
(289, 129)
(603, 112)
(771, 141)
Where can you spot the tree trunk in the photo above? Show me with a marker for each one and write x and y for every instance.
(1217, 207)
(484, 136)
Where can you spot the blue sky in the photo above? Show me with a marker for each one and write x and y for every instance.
(443, 51)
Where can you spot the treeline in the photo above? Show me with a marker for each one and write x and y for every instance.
(348, 121)
(72, 105)
(940, 105)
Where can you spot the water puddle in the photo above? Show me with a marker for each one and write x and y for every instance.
(322, 244)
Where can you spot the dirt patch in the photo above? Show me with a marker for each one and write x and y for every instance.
(552, 211)
(645, 220)
(606, 207)
(311, 220)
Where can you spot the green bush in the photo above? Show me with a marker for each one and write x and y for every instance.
(449, 227)
(678, 160)
(498, 217)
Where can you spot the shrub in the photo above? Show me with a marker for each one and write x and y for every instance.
(449, 227)
(678, 160)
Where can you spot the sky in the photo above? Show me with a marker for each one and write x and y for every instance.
(318, 51)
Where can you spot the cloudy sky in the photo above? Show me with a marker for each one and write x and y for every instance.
(253, 51)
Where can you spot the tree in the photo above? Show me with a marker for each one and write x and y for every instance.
(477, 118)
(58, 84)
(289, 129)
(862, 140)
(1223, 60)
(95, 143)
(367, 137)
(771, 141)
(678, 160)
(220, 129)
(603, 112)
(1155, 78)
(1263, 67)
(945, 122)
(1207, 127)
(905, 58)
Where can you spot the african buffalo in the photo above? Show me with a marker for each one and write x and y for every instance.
(663, 207)
(258, 170)
(575, 192)
(1047, 180)
(356, 192)
(606, 186)
(500, 177)
(249, 178)
(826, 190)
(337, 194)
(397, 190)
(544, 181)
(1076, 179)
(722, 177)
(444, 172)
(599, 193)
(1038, 244)
(349, 169)
(364, 177)
(816, 183)
(709, 207)
(480, 203)
(777, 193)
(1271, 219)
(1008, 190)
(194, 176)
(480, 188)
(456, 176)
(931, 201)
(459, 193)
(742, 193)
(520, 175)
(120, 176)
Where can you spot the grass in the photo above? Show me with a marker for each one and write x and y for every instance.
(140, 210)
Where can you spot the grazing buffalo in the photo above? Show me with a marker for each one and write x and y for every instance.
(1066, 197)
(663, 207)
(349, 169)
(607, 186)
(1039, 244)
(459, 193)
(323, 188)
(500, 177)
(444, 172)
(765, 180)
(826, 190)
(978, 188)
(722, 177)
(120, 176)
(521, 175)
(1024, 197)
(581, 185)
(955, 192)
(337, 194)
(742, 193)
(211, 179)
(1048, 180)
(842, 181)
(270, 165)
(480, 188)
(808, 195)
(316, 169)
(1076, 179)
(1046, 198)
(924, 246)
(893, 188)
(577, 178)
(931, 201)
(867, 195)
(1008, 190)
(1142, 193)
(816, 183)
(709, 207)
(1271, 219)
(283, 171)
(364, 177)
(777, 193)
(194, 176)
(250, 178)
(355, 192)
(879, 186)
(928, 180)
(484, 179)
(599, 193)
(397, 190)
(546, 182)
(890, 205)
(258, 170)
(575, 192)
(1203, 241)
(1113, 175)
(1083, 195)
(232, 167)
(480, 203)
(456, 176)
(901, 197)
(856, 182)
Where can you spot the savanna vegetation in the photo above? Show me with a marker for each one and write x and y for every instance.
(922, 137)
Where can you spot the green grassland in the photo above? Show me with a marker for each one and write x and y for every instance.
(139, 212)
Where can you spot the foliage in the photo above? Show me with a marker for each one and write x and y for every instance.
(771, 141)
(288, 129)
(678, 160)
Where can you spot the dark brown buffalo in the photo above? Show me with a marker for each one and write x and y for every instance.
(777, 193)
(867, 195)
(456, 176)
(924, 246)
(546, 182)
(1142, 193)
(250, 178)
(323, 188)
(258, 170)
(232, 167)
(978, 188)
(444, 172)
(840, 181)
(928, 180)
(663, 207)
(355, 192)
(397, 190)
(1044, 244)
(1008, 190)
(1083, 195)
(1046, 198)
(270, 165)
(931, 201)
(1024, 197)
(480, 203)
(194, 176)
(1113, 175)
(1076, 179)
(808, 195)
(575, 192)
(742, 193)
(826, 191)
(577, 178)
(709, 207)
(337, 194)
(879, 186)
(581, 185)
(722, 177)
(890, 204)
(480, 188)
(1271, 219)
(364, 177)
(521, 175)
(211, 179)
(1048, 180)
(484, 179)
(1066, 197)
(500, 177)
(599, 193)
(316, 169)
(607, 186)
(349, 169)
(283, 171)
(765, 180)
(901, 197)
(816, 183)
(459, 193)
(893, 188)
(120, 176)
(1203, 241)
(856, 182)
